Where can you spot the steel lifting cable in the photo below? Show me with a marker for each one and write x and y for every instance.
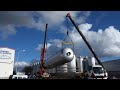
(69, 38)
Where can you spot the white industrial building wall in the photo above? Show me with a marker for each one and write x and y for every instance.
(6, 70)
(6, 62)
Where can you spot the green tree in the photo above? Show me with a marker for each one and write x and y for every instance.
(27, 70)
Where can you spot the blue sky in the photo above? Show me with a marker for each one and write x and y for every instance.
(24, 30)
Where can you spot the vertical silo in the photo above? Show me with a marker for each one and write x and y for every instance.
(80, 64)
(91, 61)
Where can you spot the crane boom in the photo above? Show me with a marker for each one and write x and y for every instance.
(83, 37)
(43, 54)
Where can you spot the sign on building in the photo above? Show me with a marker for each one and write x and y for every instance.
(6, 62)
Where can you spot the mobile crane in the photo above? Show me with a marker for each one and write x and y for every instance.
(42, 72)
(89, 46)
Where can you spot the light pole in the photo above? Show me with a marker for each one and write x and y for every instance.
(18, 58)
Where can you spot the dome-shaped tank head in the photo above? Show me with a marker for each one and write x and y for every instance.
(68, 54)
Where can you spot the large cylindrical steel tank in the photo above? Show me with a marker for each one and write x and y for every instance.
(91, 61)
(80, 64)
(62, 68)
(54, 70)
(72, 65)
(47, 70)
(64, 56)
(50, 70)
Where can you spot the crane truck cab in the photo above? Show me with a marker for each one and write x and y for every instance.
(97, 72)
(87, 68)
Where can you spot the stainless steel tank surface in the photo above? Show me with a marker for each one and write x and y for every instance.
(63, 56)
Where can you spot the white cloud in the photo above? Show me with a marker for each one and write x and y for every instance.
(20, 65)
(85, 27)
(78, 17)
(63, 30)
(40, 46)
(55, 17)
(11, 19)
(56, 42)
(6, 31)
(104, 42)
(82, 18)
(53, 46)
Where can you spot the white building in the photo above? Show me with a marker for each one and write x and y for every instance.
(6, 62)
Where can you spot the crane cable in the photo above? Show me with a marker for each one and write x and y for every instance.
(69, 38)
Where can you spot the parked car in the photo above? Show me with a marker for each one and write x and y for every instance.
(32, 77)
(18, 77)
